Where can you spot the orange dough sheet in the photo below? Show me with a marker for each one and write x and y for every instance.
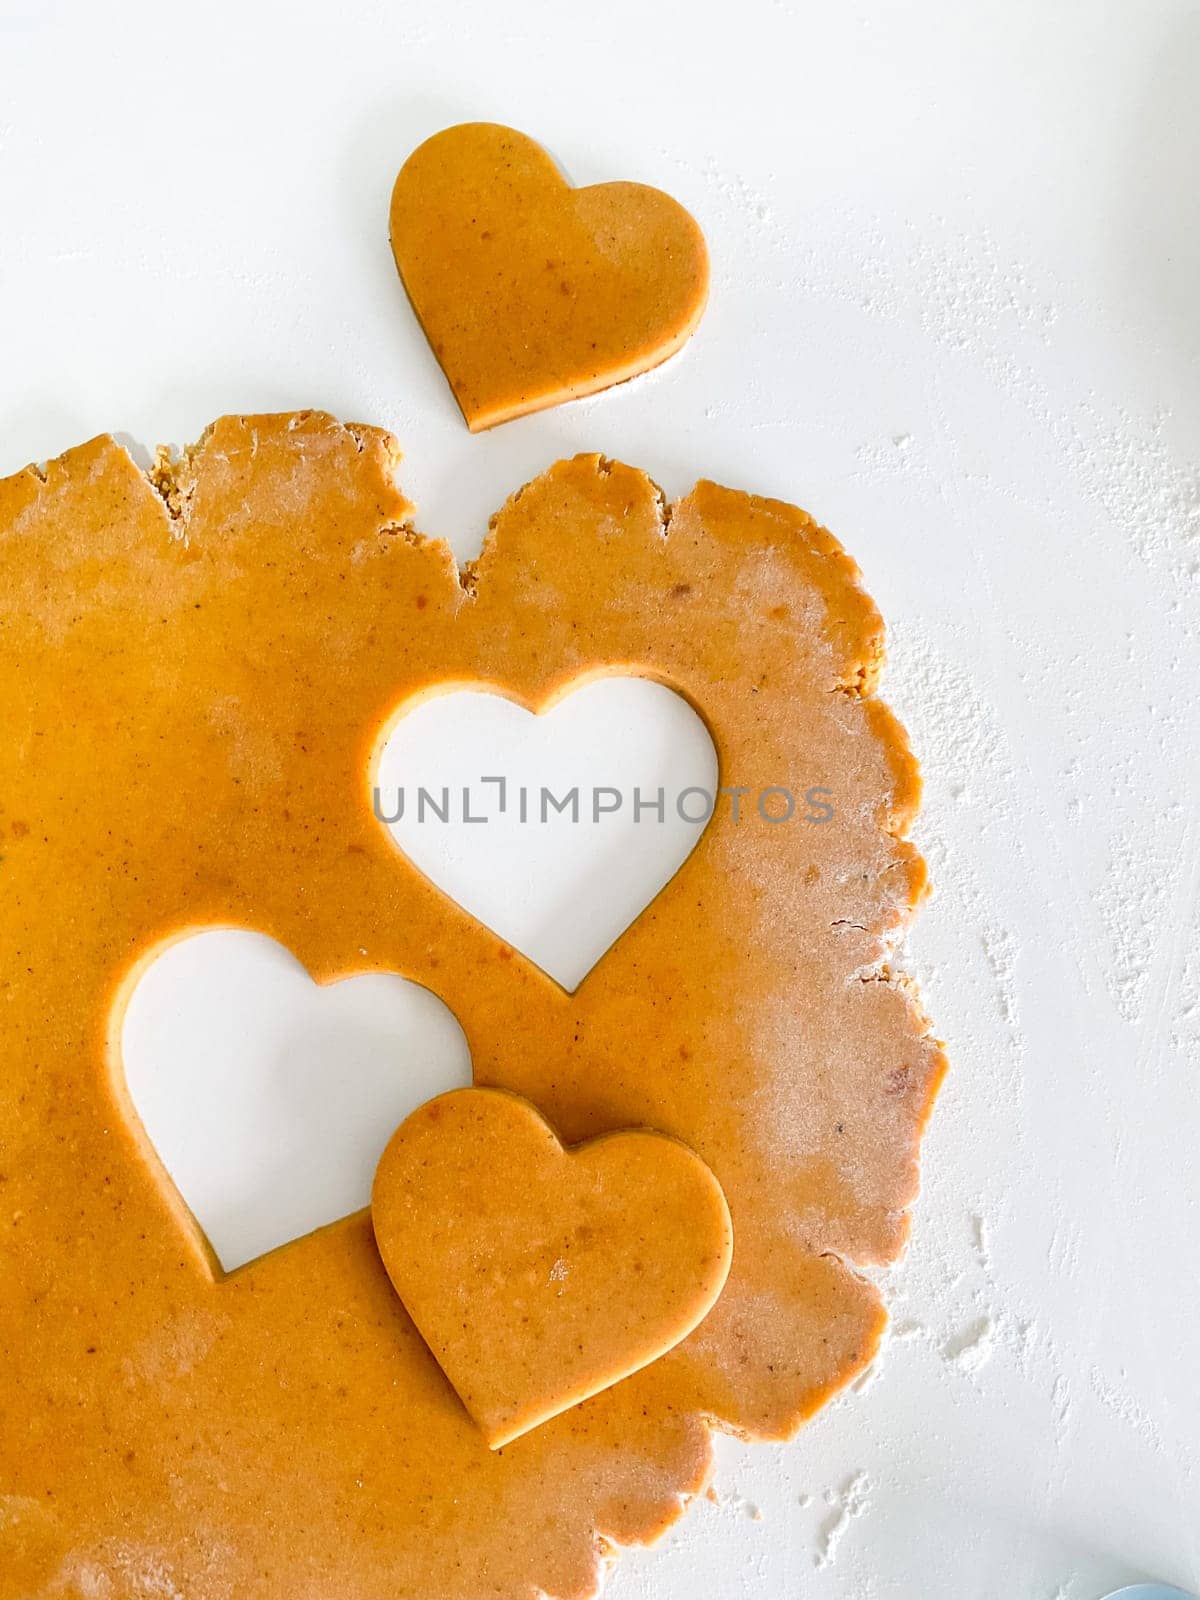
(196, 671)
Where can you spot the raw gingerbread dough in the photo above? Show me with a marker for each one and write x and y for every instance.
(539, 1276)
(532, 292)
(196, 670)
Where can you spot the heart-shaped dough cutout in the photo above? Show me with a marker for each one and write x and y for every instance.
(561, 886)
(268, 1097)
(532, 292)
(539, 1275)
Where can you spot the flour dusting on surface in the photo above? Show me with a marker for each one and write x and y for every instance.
(851, 1501)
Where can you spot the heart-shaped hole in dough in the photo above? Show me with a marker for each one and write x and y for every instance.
(554, 829)
(268, 1098)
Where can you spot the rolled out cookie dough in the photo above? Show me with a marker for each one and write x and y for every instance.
(196, 669)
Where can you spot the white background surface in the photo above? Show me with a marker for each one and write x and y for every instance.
(955, 315)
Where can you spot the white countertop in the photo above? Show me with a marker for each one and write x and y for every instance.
(955, 315)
